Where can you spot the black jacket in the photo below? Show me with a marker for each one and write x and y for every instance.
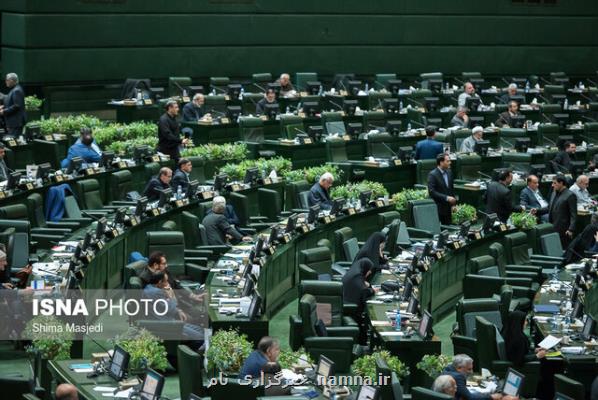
(439, 191)
(318, 195)
(562, 161)
(14, 108)
(217, 227)
(498, 200)
(562, 211)
(169, 137)
(179, 178)
(191, 113)
(355, 290)
(153, 188)
(260, 107)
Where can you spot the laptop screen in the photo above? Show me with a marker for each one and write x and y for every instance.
(119, 363)
(367, 393)
(513, 383)
(151, 388)
(424, 324)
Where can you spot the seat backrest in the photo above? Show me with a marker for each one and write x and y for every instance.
(71, 207)
(551, 245)
(133, 269)
(319, 259)
(16, 387)
(477, 264)
(423, 169)
(89, 194)
(292, 197)
(458, 136)
(517, 161)
(336, 150)
(497, 251)
(216, 102)
(203, 209)
(332, 121)
(47, 151)
(270, 204)
(251, 129)
(424, 214)
(35, 208)
(190, 225)
(151, 170)
(516, 248)
(203, 236)
(291, 125)
(584, 369)
(376, 145)
(198, 170)
(393, 235)
(304, 199)
(326, 292)
(415, 117)
(190, 366)
(17, 251)
(172, 244)
(548, 134)
(14, 211)
(481, 286)
(121, 183)
(421, 393)
(340, 236)
(569, 387)
(469, 309)
(382, 79)
(468, 166)
(241, 205)
(261, 77)
(351, 248)
(374, 120)
(403, 238)
(486, 344)
(301, 79)
(308, 314)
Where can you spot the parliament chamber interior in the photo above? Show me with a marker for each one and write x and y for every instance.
(251, 199)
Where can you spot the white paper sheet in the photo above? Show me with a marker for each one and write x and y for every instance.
(549, 342)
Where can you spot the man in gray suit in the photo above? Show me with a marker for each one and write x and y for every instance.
(562, 210)
(218, 229)
(13, 109)
(531, 198)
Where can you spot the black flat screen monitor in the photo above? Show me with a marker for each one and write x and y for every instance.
(254, 306)
(354, 129)
(271, 110)
(86, 241)
(588, 328)
(313, 87)
(119, 216)
(391, 106)
(349, 107)
(291, 223)
(251, 175)
(513, 383)
(165, 196)
(140, 206)
(107, 159)
(435, 85)
(393, 86)
(273, 235)
(220, 182)
(337, 206)
(192, 189)
(315, 132)
(489, 222)
(561, 120)
(394, 127)
(119, 363)
(233, 112)
(464, 229)
(407, 290)
(517, 121)
(522, 144)
(13, 180)
(442, 239)
(311, 108)
(405, 154)
(249, 286)
(74, 165)
(413, 305)
(151, 388)
(425, 325)
(43, 170)
(312, 216)
(234, 90)
(101, 228)
(481, 147)
(432, 103)
(365, 197)
(577, 312)
(353, 87)
(259, 246)
(472, 103)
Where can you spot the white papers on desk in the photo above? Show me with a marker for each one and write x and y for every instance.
(381, 323)
(291, 376)
(572, 350)
(541, 319)
(42, 269)
(385, 297)
(375, 302)
(123, 394)
(83, 370)
(573, 267)
(549, 342)
(386, 272)
(225, 310)
(489, 387)
(392, 333)
(104, 389)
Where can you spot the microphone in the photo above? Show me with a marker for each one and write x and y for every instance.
(219, 89)
(335, 104)
(212, 111)
(560, 167)
(507, 142)
(390, 149)
(260, 86)
(416, 102)
(90, 216)
(546, 118)
(484, 175)
(184, 91)
(417, 123)
(548, 140)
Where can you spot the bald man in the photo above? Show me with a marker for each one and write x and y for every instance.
(286, 87)
(468, 91)
(66, 391)
(580, 190)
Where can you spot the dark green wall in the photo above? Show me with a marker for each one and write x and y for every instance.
(109, 40)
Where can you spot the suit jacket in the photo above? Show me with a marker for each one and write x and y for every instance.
(317, 195)
(462, 392)
(439, 191)
(562, 211)
(153, 188)
(504, 119)
(217, 227)
(528, 200)
(191, 113)
(498, 200)
(179, 178)
(428, 149)
(169, 137)
(14, 108)
(155, 293)
(230, 215)
(563, 161)
(260, 107)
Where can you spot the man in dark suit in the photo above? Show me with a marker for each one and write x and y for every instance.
(498, 196)
(194, 111)
(269, 98)
(508, 119)
(157, 184)
(181, 175)
(218, 229)
(460, 369)
(440, 188)
(169, 139)
(13, 109)
(319, 192)
(4, 170)
(429, 148)
(562, 161)
(562, 209)
(531, 198)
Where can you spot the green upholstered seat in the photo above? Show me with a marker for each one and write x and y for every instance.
(195, 236)
(249, 102)
(301, 79)
(175, 83)
(190, 368)
(291, 125)
(484, 286)
(293, 190)
(423, 169)
(583, 369)
(131, 274)
(517, 161)
(458, 136)
(332, 121)
(382, 79)
(424, 214)
(374, 120)
(172, 244)
(376, 145)
(262, 79)
(270, 204)
(548, 134)
(317, 260)
(219, 82)
(569, 387)
(330, 293)
(341, 236)
(251, 129)
(351, 248)
(45, 236)
(551, 245)
(121, 183)
(497, 251)
(551, 108)
(240, 203)
(376, 100)
(198, 170)
(151, 170)
(47, 151)
(336, 150)
(415, 118)
(421, 393)
(516, 248)
(35, 209)
(236, 389)
(468, 166)
(216, 102)
(591, 132)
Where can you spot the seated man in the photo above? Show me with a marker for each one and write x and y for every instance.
(269, 98)
(194, 111)
(157, 184)
(460, 119)
(218, 230)
(468, 144)
(267, 350)
(320, 192)
(459, 370)
(4, 170)
(66, 391)
(511, 91)
(181, 175)
(562, 161)
(286, 87)
(580, 190)
(445, 384)
(530, 198)
(505, 119)
(429, 148)
(468, 91)
(229, 211)
(85, 147)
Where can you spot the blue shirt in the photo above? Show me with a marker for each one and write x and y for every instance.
(89, 154)
(462, 392)
(253, 365)
(428, 149)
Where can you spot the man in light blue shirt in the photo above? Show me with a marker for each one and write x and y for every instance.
(580, 190)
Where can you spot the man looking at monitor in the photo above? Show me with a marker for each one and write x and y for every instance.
(194, 111)
(158, 184)
(506, 119)
(460, 119)
(462, 368)
(269, 98)
(85, 147)
(181, 176)
(468, 144)
(468, 91)
(445, 384)
(218, 230)
(268, 350)
(319, 194)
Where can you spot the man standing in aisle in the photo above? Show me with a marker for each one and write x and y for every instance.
(440, 188)
(13, 109)
(169, 139)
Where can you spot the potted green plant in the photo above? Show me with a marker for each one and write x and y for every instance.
(402, 198)
(524, 220)
(366, 366)
(33, 107)
(433, 364)
(463, 213)
(217, 155)
(290, 359)
(145, 349)
(228, 351)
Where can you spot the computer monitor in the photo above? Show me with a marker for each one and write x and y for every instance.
(233, 112)
(353, 87)
(86, 241)
(405, 154)
(315, 132)
(413, 305)
(259, 246)
(101, 228)
(291, 223)
(442, 239)
(271, 110)
(74, 165)
(513, 383)
(140, 206)
(431, 103)
(425, 325)
(249, 285)
(139, 152)
(354, 129)
(577, 167)
(367, 392)
(365, 197)
(312, 216)
(313, 87)
(472, 103)
(151, 388)
(427, 251)
(107, 159)
(119, 363)
(349, 107)
(391, 106)
(165, 196)
(588, 328)
(324, 370)
(489, 222)
(407, 290)
(522, 144)
(393, 86)
(435, 85)
(119, 216)
(311, 108)
(43, 170)
(481, 147)
(192, 189)
(394, 127)
(577, 311)
(273, 238)
(234, 90)
(560, 119)
(464, 229)
(220, 181)
(251, 175)
(517, 121)
(254, 306)
(337, 206)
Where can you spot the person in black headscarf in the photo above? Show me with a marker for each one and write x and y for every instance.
(356, 290)
(586, 241)
(372, 250)
(517, 344)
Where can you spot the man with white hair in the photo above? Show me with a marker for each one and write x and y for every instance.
(194, 111)
(468, 144)
(286, 87)
(511, 92)
(13, 109)
(461, 119)
(460, 370)
(445, 384)
(580, 190)
(218, 229)
(320, 192)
